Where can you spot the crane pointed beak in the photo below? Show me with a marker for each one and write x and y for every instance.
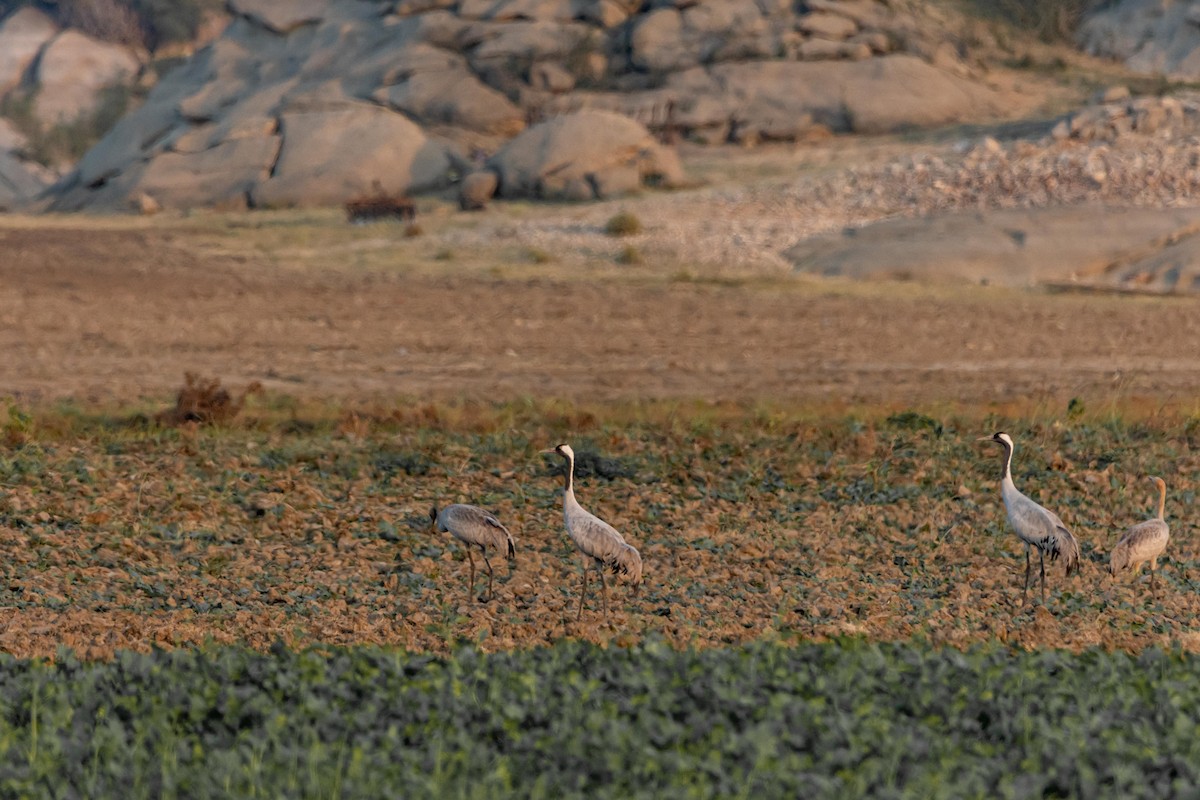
(550, 452)
(985, 439)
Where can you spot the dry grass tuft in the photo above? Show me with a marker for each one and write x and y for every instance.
(379, 204)
(204, 401)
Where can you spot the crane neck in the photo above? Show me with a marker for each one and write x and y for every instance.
(1006, 474)
(568, 490)
(1162, 499)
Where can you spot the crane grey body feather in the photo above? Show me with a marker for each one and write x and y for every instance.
(1143, 542)
(596, 538)
(475, 527)
(1037, 525)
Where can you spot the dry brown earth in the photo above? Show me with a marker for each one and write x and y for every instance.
(119, 310)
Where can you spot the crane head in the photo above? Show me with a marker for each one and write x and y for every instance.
(563, 450)
(999, 437)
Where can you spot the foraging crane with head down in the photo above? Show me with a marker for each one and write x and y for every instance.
(474, 527)
(595, 538)
(1143, 542)
(1035, 525)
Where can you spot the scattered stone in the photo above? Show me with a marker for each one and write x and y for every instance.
(547, 76)
(145, 205)
(826, 25)
(476, 189)
(281, 16)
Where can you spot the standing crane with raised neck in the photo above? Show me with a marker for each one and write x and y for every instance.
(1145, 541)
(1036, 525)
(474, 527)
(595, 538)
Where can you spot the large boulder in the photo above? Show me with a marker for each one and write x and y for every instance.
(1012, 247)
(780, 99)
(281, 16)
(19, 183)
(220, 177)
(1150, 36)
(455, 97)
(23, 34)
(72, 70)
(329, 157)
(473, 73)
(657, 43)
(585, 155)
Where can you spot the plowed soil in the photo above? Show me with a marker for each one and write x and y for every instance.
(121, 313)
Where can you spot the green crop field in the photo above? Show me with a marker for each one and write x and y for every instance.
(832, 605)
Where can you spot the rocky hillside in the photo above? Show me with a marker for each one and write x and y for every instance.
(311, 102)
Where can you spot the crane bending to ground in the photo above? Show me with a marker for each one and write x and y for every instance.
(1037, 526)
(1143, 542)
(474, 527)
(595, 538)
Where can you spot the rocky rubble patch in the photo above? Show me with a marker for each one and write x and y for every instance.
(1117, 186)
(1080, 187)
(1107, 153)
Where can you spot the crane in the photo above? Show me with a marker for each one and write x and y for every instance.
(1035, 525)
(595, 538)
(1144, 541)
(474, 527)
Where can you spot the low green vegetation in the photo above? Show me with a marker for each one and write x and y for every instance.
(309, 524)
(844, 719)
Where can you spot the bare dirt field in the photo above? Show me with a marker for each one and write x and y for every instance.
(117, 310)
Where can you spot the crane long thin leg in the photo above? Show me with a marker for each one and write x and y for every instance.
(1153, 584)
(583, 590)
(471, 586)
(1025, 591)
(488, 564)
(603, 589)
(1042, 564)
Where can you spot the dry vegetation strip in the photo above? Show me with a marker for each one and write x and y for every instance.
(306, 525)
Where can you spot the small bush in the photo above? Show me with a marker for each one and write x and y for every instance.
(539, 256)
(1049, 20)
(137, 23)
(381, 204)
(108, 20)
(205, 402)
(623, 224)
(630, 255)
